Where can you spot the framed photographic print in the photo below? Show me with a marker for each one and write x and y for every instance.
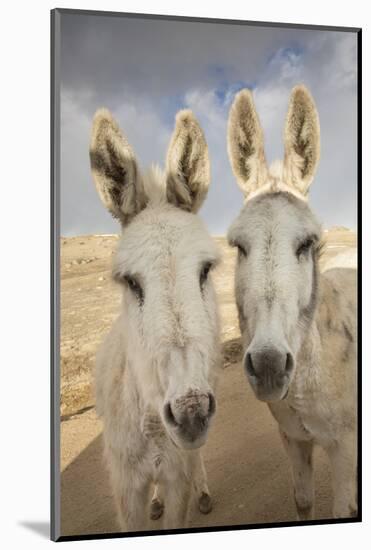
(205, 290)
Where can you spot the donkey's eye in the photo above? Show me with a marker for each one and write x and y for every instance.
(204, 273)
(242, 251)
(135, 288)
(304, 247)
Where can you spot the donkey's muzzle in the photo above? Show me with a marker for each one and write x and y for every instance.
(269, 372)
(189, 416)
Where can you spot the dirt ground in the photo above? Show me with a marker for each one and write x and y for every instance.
(249, 474)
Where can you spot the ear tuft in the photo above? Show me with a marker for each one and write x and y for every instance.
(302, 140)
(246, 143)
(187, 164)
(114, 168)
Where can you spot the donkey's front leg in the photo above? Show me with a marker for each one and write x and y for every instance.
(177, 505)
(300, 454)
(178, 489)
(200, 485)
(131, 492)
(343, 458)
(132, 505)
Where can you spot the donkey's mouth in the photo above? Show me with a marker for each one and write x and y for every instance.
(188, 444)
(189, 436)
(187, 418)
(269, 392)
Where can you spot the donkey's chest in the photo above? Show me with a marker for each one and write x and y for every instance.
(160, 450)
(304, 421)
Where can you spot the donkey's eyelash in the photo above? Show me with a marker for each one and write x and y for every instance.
(242, 250)
(205, 270)
(305, 246)
(135, 287)
(320, 247)
(206, 267)
(240, 247)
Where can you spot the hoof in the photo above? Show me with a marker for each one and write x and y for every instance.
(157, 509)
(353, 511)
(304, 513)
(205, 504)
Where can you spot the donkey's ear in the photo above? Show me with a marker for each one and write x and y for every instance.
(246, 143)
(302, 140)
(115, 169)
(187, 164)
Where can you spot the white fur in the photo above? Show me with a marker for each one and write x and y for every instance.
(302, 146)
(275, 183)
(298, 326)
(164, 347)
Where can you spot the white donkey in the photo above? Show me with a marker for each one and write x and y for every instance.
(157, 369)
(298, 326)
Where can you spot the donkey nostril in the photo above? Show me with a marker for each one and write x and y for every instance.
(169, 416)
(289, 363)
(212, 404)
(249, 366)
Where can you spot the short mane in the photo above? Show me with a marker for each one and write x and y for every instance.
(275, 183)
(154, 183)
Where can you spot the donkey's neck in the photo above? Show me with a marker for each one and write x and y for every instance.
(310, 370)
(309, 355)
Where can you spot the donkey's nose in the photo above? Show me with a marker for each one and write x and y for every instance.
(267, 362)
(190, 415)
(269, 372)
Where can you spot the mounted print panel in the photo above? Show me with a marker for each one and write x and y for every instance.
(205, 287)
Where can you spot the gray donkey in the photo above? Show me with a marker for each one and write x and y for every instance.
(298, 325)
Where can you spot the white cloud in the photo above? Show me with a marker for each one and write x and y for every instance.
(145, 90)
(328, 67)
(81, 209)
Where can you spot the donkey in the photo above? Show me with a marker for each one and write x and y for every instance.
(157, 369)
(298, 325)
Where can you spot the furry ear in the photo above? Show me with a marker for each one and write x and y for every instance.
(246, 143)
(302, 140)
(115, 169)
(187, 164)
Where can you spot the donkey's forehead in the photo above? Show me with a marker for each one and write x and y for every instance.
(156, 235)
(277, 213)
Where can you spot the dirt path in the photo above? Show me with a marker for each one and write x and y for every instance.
(249, 474)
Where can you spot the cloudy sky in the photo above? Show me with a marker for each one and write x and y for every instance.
(144, 71)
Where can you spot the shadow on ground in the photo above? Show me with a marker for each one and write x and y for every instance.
(42, 528)
(86, 502)
(248, 471)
